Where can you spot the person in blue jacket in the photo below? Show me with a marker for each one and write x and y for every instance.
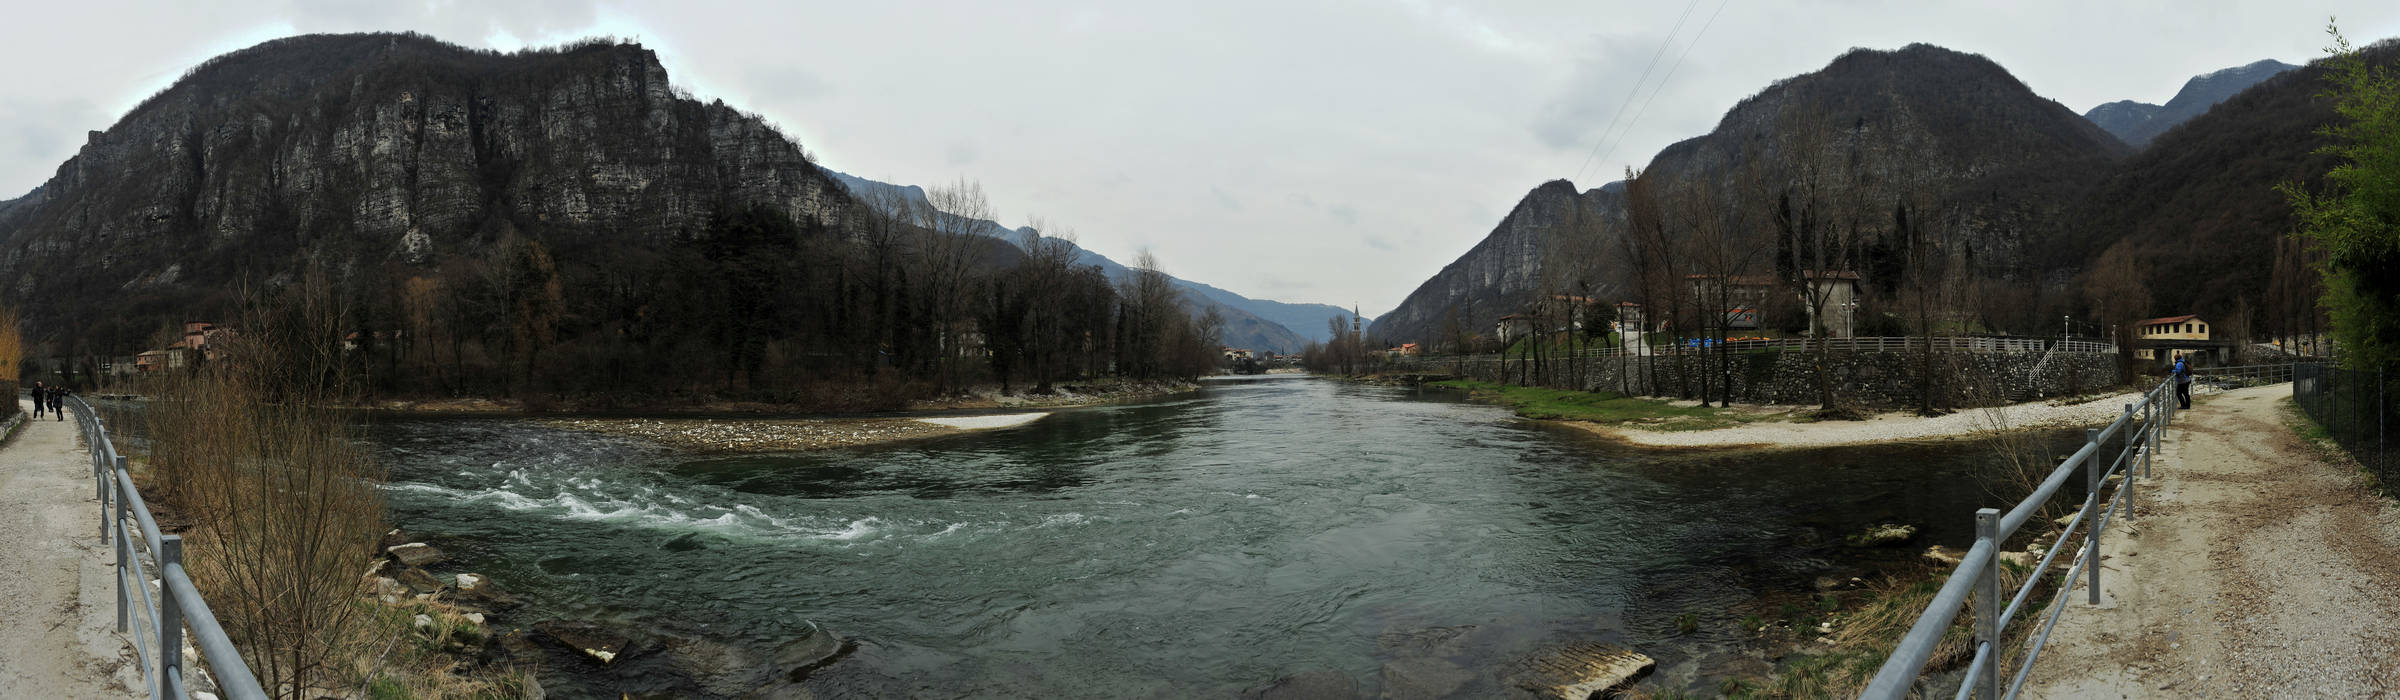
(2183, 382)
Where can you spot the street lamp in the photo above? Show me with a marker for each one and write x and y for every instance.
(2066, 327)
(1849, 322)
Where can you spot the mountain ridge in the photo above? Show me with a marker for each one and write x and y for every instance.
(1241, 312)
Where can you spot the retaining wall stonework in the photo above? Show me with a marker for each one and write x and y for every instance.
(1868, 379)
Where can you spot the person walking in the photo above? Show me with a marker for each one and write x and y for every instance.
(41, 398)
(2183, 382)
(58, 402)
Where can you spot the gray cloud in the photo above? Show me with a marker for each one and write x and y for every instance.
(960, 153)
(1344, 213)
(1224, 200)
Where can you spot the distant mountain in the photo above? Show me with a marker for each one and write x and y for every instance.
(2138, 123)
(1502, 273)
(1256, 324)
(2199, 206)
(1976, 155)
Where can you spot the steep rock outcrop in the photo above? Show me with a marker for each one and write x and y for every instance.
(1503, 272)
(353, 151)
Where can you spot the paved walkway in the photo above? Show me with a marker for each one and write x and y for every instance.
(58, 635)
(2254, 567)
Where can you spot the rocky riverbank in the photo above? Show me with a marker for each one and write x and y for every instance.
(754, 435)
(1883, 427)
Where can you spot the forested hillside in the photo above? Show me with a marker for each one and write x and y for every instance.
(549, 222)
(1881, 158)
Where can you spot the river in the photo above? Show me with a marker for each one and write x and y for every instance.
(1195, 546)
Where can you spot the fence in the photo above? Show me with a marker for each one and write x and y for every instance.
(158, 639)
(1978, 572)
(2242, 376)
(1979, 344)
(2355, 408)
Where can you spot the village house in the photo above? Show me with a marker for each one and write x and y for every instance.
(2170, 328)
(1838, 292)
(1743, 296)
(1511, 327)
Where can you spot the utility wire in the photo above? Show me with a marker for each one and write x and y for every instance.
(1636, 90)
(1662, 82)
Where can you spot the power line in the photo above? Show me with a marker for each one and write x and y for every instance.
(1662, 82)
(1630, 93)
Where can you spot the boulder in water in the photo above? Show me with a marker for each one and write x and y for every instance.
(599, 643)
(686, 542)
(1324, 684)
(1581, 670)
(1882, 536)
(1423, 678)
(414, 553)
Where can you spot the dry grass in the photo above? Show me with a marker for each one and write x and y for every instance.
(284, 513)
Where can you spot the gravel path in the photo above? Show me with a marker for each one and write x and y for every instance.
(2255, 566)
(58, 635)
(1885, 427)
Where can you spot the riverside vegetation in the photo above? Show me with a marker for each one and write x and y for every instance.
(280, 503)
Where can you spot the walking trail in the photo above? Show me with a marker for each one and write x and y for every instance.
(58, 636)
(2253, 566)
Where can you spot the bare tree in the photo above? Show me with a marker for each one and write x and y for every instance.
(958, 222)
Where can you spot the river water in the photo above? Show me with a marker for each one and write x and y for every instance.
(1196, 546)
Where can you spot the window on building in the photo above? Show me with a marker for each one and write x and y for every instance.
(2204, 328)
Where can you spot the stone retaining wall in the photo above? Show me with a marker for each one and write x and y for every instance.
(1869, 379)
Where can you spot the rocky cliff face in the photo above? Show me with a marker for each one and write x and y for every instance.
(1501, 274)
(359, 150)
(2138, 123)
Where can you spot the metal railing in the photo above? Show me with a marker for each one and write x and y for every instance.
(2242, 376)
(177, 605)
(1975, 344)
(1978, 572)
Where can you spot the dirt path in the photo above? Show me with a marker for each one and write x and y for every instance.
(2253, 567)
(58, 635)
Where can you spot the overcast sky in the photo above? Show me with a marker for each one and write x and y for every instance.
(1299, 150)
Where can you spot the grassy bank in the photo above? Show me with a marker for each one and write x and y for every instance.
(1598, 407)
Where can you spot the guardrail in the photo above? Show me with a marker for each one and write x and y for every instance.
(1978, 572)
(158, 640)
(1977, 344)
(2245, 375)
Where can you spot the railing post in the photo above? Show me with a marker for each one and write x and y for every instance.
(2130, 456)
(2091, 511)
(1987, 603)
(170, 617)
(2151, 454)
(124, 549)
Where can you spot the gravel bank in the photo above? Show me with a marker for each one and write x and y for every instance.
(1884, 427)
(739, 435)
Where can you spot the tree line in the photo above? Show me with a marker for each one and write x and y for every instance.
(909, 298)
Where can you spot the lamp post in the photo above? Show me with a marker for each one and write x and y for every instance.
(2066, 327)
(1849, 322)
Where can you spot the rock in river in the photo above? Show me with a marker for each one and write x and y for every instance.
(600, 643)
(415, 553)
(1882, 536)
(1581, 670)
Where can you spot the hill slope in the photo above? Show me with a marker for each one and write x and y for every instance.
(1985, 161)
(2200, 206)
